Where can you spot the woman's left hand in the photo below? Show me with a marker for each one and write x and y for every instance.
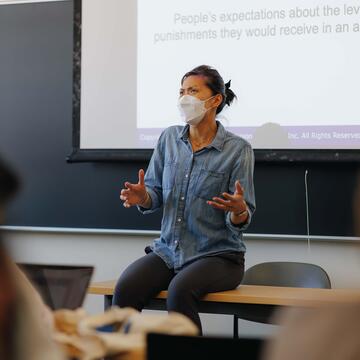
(233, 203)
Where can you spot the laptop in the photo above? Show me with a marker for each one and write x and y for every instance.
(60, 286)
(159, 346)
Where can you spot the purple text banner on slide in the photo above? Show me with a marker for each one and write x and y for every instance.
(280, 137)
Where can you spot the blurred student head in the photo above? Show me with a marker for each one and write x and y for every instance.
(8, 187)
(327, 332)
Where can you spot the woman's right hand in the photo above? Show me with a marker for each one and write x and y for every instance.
(135, 194)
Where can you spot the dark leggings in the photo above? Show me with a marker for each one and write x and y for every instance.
(147, 276)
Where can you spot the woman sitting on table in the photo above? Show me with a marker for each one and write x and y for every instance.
(202, 175)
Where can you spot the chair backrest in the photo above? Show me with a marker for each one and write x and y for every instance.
(285, 273)
(279, 273)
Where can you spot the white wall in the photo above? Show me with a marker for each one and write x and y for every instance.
(111, 253)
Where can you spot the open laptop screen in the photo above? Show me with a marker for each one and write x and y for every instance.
(60, 286)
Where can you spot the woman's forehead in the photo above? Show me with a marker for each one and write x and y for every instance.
(194, 80)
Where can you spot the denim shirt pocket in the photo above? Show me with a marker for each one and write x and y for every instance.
(209, 184)
(169, 173)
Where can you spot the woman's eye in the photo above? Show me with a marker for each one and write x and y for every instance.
(193, 91)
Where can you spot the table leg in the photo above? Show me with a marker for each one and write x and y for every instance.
(107, 301)
(236, 327)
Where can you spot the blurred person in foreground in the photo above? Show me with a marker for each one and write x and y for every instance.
(327, 332)
(25, 321)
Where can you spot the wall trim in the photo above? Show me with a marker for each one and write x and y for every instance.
(152, 233)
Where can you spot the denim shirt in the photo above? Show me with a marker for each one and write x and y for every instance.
(182, 181)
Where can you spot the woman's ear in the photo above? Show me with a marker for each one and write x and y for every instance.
(217, 100)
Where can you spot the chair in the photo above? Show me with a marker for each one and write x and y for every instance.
(292, 274)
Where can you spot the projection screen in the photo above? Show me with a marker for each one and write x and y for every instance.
(294, 66)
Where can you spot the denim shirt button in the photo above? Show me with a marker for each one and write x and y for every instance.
(179, 219)
(182, 198)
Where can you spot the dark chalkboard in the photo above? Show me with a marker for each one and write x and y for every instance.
(36, 42)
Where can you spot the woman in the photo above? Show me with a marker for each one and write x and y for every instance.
(202, 175)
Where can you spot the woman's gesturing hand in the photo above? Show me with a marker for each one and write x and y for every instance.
(233, 203)
(135, 194)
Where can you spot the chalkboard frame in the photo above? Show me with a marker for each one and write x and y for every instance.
(110, 155)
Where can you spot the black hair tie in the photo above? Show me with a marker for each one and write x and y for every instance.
(228, 84)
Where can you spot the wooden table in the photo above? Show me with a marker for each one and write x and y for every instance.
(226, 302)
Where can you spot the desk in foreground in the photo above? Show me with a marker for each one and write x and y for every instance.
(246, 299)
(255, 294)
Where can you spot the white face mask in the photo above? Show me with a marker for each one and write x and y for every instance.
(192, 109)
